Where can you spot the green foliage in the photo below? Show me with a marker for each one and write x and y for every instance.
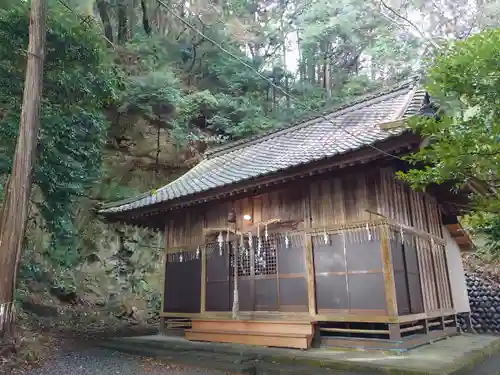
(464, 145)
(228, 100)
(79, 82)
(218, 96)
(204, 90)
(108, 191)
(154, 94)
(485, 230)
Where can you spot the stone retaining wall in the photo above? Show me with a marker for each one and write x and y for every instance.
(484, 298)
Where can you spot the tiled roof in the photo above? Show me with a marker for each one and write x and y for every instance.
(338, 132)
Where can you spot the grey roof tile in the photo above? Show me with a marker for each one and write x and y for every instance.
(341, 131)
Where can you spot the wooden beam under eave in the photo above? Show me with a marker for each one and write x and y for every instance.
(460, 235)
(462, 240)
(454, 229)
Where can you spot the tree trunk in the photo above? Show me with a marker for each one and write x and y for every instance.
(302, 63)
(311, 65)
(103, 9)
(326, 70)
(18, 192)
(285, 52)
(122, 23)
(146, 22)
(132, 20)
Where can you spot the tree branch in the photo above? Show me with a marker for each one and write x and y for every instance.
(409, 22)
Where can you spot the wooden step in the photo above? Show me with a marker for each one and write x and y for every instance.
(250, 326)
(178, 324)
(280, 340)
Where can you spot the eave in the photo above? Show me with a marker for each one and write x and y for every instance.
(394, 146)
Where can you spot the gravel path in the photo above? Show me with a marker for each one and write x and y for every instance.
(98, 361)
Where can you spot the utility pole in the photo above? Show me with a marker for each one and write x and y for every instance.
(18, 189)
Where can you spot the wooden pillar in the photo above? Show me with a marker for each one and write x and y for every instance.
(163, 325)
(426, 326)
(442, 323)
(447, 270)
(421, 273)
(394, 331)
(203, 294)
(389, 284)
(165, 254)
(308, 248)
(311, 287)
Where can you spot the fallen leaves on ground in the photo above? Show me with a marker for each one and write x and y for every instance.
(30, 351)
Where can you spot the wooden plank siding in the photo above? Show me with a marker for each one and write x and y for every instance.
(187, 228)
(353, 196)
(349, 272)
(429, 285)
(335, 200)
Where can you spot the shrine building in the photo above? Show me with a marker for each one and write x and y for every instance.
(304, 236)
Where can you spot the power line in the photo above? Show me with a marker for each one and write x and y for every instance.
(244, 63)
(241, 61)
(84, 20)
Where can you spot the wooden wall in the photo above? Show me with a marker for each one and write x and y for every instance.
(279, 286)
(351, 197)
(356, 195)
(339, 200)
(182, 294)
(407, 277)
(185, 228)
(348, 272)
(326, 202)
(435, 277)
(420, 273)
(457, 274)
